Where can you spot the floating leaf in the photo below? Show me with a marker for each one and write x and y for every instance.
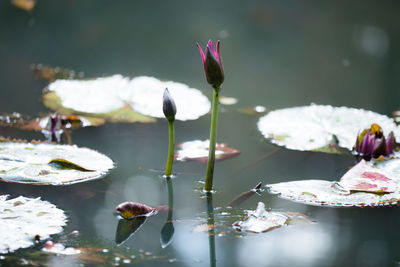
(29, 163)
(261, 221)
(198, 151)
(122, 99)
(129, 210)
(366, 178)
(22, 220)
(321, 128)
(326, 193)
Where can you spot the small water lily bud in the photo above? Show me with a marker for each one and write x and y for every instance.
(371, 143)
(169, 107)
(212, 64)
(128, 210)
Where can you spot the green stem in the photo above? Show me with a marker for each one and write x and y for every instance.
(171, 147)
(213, 133)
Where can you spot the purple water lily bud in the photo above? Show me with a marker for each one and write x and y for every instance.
(371, 143)
(212, 64)
(169, 107)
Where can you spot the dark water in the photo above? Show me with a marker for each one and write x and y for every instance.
(277, 54)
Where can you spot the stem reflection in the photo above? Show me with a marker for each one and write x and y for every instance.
(168, 230)
(211, 231)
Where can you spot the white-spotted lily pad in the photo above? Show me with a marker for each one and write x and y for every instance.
(51, 164)
(321, 128)
(261, 221)
(363, 185)
(197, 150)
(22, 220)
(122, 99)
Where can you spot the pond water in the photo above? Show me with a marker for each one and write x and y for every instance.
(276, 54)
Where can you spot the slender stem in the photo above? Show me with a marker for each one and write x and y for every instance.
(171, 147)
(213, 133)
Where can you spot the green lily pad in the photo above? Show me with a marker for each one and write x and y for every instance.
(321, 128)
(22, 220)
(363, 185)
(40, 163)
(119, 99)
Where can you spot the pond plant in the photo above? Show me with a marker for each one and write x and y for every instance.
(214, 72)
(169, 110)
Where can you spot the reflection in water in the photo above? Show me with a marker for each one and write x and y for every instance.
(211, 232)
(167, 231)
(127, 228)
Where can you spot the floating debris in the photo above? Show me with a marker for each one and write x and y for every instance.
(261, 221)
(256, 110)
(197, 150)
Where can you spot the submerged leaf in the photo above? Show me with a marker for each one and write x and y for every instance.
(20, 227)
(135, 98)
(29, 163)
(320, 128)
(197, 150)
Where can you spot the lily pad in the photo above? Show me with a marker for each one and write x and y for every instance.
(366, 184)
(261, 221)
(36, 163)
(326, 193)
(116, 98)
(22, 220)
(321, 128)
(366, 178)
(197, 150)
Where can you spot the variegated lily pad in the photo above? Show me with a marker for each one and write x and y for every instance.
(53, 164)
(261, 221)
(363, 185)
(366, 178)
(22, 220)
(120, 99)
(197, 150)
(321, 128)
